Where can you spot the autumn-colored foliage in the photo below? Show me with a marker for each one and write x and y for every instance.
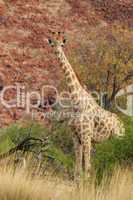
(106, 60)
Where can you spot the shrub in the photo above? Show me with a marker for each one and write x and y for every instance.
(15, 133)
(114, 152)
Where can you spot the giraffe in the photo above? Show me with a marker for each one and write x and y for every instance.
(90, 122)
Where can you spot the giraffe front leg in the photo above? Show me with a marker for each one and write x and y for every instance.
(78, 159)
(87, 158)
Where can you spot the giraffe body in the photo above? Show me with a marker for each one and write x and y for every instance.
(90, 121)
(92, 124)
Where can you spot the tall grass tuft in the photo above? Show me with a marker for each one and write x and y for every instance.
(22, 185)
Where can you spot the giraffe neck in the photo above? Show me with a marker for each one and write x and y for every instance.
(71, 78)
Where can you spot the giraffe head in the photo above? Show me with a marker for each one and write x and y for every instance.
(57, 39)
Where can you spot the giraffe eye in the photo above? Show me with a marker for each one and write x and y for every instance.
(50, 41)
(64, 41)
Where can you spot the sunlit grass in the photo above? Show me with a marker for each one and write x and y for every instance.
(22, 185)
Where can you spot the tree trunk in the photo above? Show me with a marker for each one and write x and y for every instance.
(107, 102)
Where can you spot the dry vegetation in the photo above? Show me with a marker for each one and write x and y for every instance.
(21, 185)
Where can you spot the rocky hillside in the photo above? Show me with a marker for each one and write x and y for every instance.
(25, 56)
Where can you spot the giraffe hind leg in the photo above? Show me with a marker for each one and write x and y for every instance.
(87, 158)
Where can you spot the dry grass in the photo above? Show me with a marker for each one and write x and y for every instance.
(19, 185)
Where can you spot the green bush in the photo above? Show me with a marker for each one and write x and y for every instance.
(60, 149)
(15, 133)
(114, 152)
